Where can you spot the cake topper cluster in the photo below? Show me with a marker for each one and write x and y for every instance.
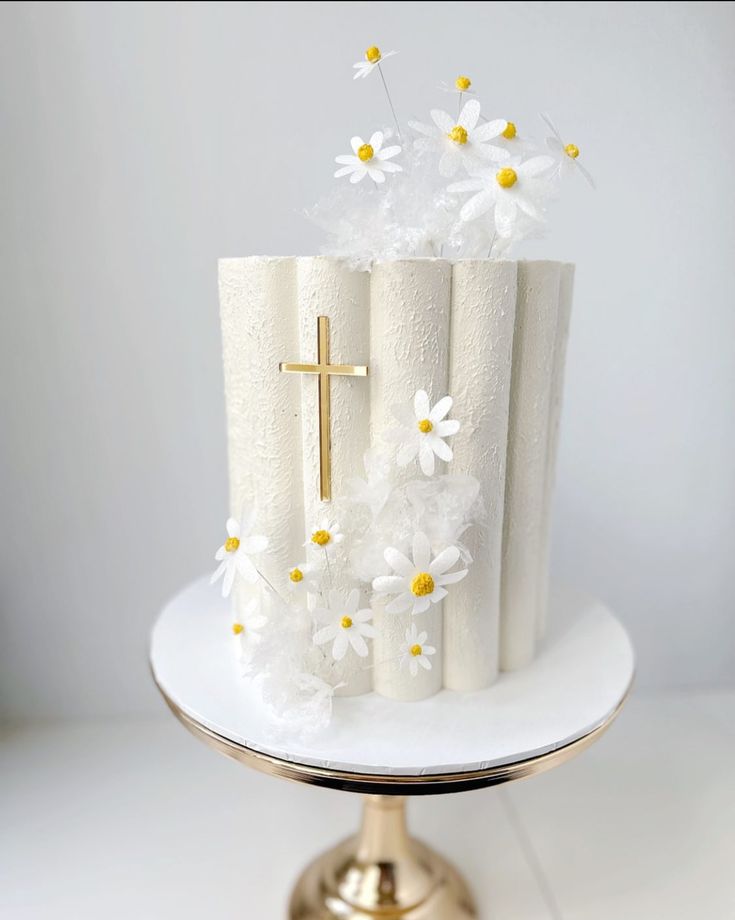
(457, 185)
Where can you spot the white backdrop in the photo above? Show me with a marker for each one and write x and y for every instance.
(139, 142)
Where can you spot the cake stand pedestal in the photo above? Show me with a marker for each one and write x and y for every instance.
(527, 722)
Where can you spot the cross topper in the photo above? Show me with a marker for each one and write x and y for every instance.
(325, 370)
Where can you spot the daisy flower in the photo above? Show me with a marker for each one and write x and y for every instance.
(347, 625)
(234, 554)
(326, 536)
(303, 578)
(565, 154)
(423, 430)
(516, 144)
(373, 57)
(370, 159)
(461, 143)
(418, 583)
(245, 630)
(461, 85)
(510, 190)
(414, 652)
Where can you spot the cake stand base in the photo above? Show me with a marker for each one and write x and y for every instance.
(381, 872)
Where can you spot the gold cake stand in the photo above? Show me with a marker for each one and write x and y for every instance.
(382, 873)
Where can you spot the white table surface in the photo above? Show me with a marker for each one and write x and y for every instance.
(578, 679)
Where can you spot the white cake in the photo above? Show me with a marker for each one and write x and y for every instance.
(490, 333)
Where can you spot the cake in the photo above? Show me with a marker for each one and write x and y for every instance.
(393, 414)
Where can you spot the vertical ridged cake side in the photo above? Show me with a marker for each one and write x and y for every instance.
(409, 350)
(483, 314)
(259, 329)
(533, 354)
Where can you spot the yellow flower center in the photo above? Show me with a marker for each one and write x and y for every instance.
(321, 537)
(373, 54)
(458, 134)
(345, 622)
(425, 426)
(231, 544)
(510, 131)
(296, 575)
(237, 628)
(572, 151)
(463, 83)
(416, 650)
(365, 153)
(506, 177)
(422, 584)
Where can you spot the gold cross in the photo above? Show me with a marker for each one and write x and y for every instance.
(324, 369)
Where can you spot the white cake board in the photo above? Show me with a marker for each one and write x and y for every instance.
(582, 673)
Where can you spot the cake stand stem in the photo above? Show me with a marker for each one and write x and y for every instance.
(381, 872)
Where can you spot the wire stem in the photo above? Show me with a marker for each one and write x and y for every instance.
(390, 101)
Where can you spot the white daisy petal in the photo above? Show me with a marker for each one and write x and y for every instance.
(388, 584)
(228, 580)
(421, 404)
(233, 527)
(388, 153)
(377, 175)
(477, 205)
(427, 649)
(438, 594)
(470, 114)
(400, 604)
(413, 667)
(391, 167)
(343, 171)
(440, 448)
(399, 563)
(535, 166)
(443, 120)
(444, 561)
(357, 643)
(325, 634)
(489, 130)
(353, 601)
(376, 141)
(450, 578)
(442, 408)
(341, 644)
(356, 143)
(357, 175)
(424, 662)
(220, 569)
(422, 604)
(447, 428)
(426, 459)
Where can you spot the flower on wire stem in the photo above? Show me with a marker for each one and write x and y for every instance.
(303, 578)
(245, 629)
(418, 582)
(414, 651)
(512, 191)
(369, 158)
(463, 143)
(326, 536)
(423, 430)
(234, 554)
(566, 155)
(373, 57)
(346, 626)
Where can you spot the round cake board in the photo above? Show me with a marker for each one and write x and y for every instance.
(582, 672)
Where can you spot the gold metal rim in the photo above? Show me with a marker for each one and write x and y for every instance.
(397, 784)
